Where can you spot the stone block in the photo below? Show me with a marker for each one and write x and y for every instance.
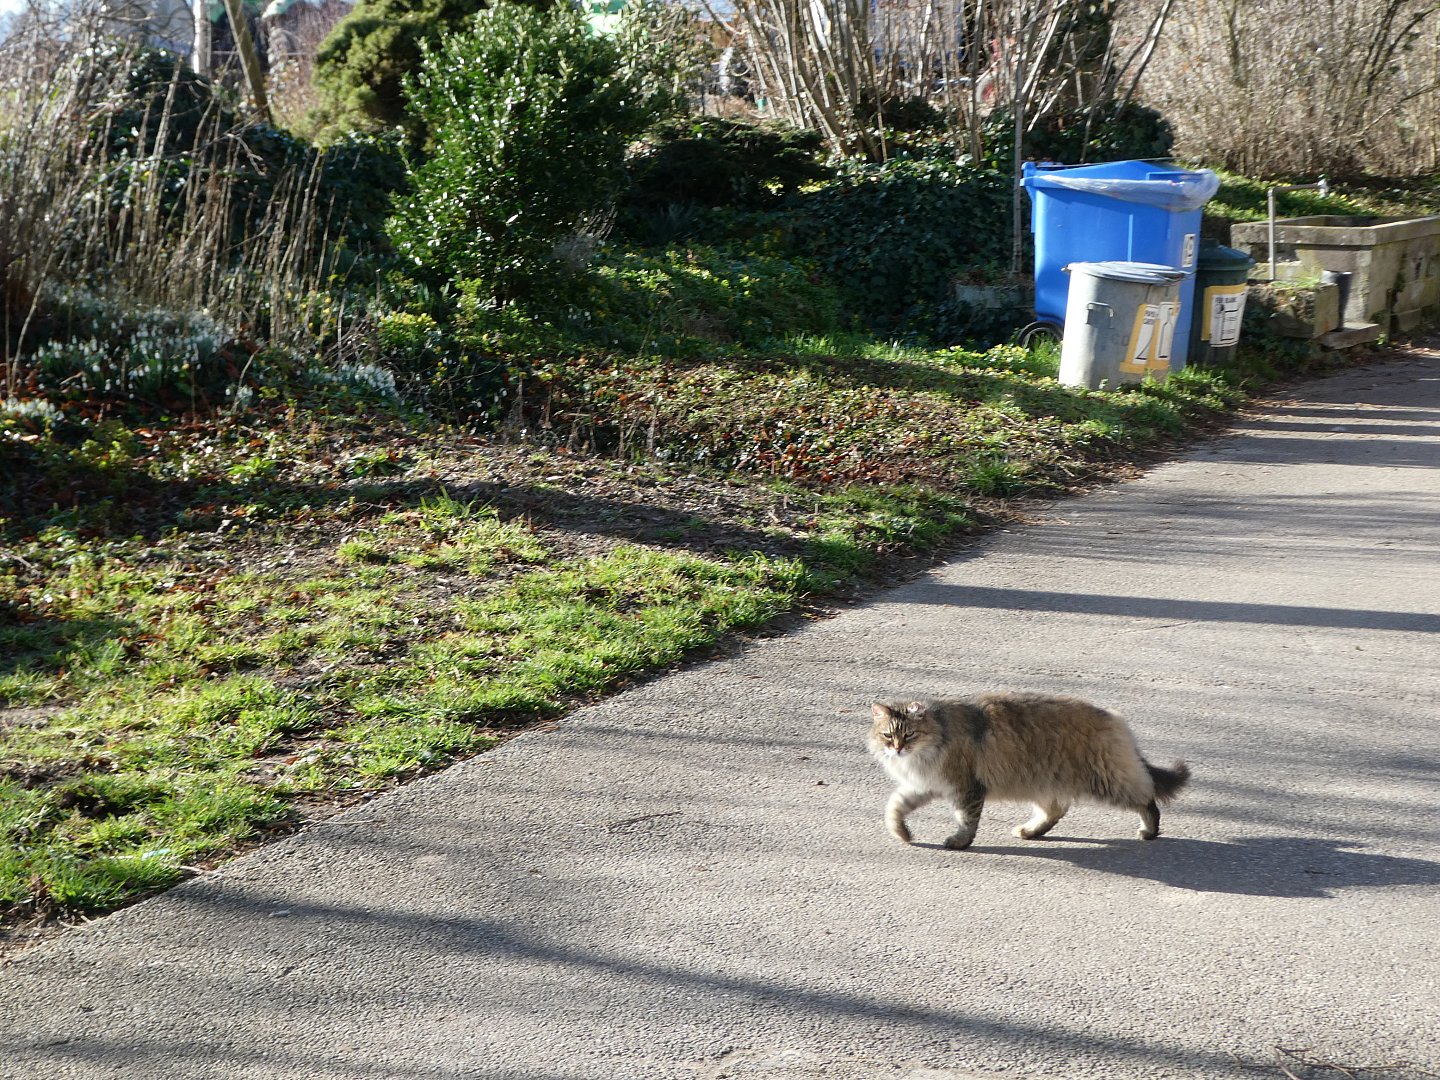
(1394, 263)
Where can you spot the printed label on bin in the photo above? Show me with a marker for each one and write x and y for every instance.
(1151, 340)
(1187, 257)
(1223, 310)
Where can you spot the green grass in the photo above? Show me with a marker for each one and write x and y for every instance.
(1242, 198)
(240, 630)
(173, 751)
(446, 534)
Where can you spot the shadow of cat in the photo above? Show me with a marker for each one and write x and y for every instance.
(1282, 866)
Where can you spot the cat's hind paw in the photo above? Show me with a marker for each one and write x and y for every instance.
(959, 841)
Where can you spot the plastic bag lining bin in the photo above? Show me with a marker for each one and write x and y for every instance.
(1173, 191)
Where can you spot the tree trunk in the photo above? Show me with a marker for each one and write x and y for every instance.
(249, 58)
(200, 54)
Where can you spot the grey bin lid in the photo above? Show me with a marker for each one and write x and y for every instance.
(1143, 273)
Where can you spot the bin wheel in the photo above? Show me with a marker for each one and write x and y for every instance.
(1032, 335)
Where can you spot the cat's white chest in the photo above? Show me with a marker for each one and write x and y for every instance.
(914, 772)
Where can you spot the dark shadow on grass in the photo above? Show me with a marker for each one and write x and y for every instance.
(120, 500)
(1279, 866)
(187, 510)
(125, 501)
(46, 645)
(622, 519)
(963, 384)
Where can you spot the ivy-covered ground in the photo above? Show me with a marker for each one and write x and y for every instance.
(215, 631)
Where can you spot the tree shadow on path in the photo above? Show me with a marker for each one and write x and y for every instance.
(1280, 866)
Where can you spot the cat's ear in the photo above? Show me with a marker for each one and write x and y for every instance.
(880, 712)
(916, 709)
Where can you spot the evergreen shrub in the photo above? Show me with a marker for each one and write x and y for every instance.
(713, 161)
(1112, 132)
(361, 66)
(530, 116)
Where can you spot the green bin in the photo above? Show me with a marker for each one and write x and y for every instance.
(1220, 277)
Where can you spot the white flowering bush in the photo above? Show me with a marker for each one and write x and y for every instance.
(121, 353)
(369, 382)
(35, 414)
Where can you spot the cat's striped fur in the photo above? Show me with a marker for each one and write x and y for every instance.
(1051, 751)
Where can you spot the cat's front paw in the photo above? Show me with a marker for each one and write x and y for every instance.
(1030, 832)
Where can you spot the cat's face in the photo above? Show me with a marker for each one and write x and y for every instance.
(900, 731)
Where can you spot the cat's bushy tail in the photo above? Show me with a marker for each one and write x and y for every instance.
(1168, 782)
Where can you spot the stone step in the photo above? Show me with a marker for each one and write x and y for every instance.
(1361, 334)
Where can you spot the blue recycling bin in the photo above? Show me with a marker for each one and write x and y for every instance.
(1129, 211)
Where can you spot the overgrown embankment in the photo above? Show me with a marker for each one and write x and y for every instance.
(214, 631)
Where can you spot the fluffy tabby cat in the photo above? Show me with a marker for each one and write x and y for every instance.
(1051, 751)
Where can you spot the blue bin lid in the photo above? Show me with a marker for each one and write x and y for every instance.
(1143, 273)
(1129, 181)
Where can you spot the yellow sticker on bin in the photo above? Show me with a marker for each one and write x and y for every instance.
(1222, 311)
(1151, 340)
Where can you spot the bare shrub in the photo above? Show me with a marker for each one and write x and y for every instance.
(292, 38)
(1291, 87)
(838, 65)
(151, 202)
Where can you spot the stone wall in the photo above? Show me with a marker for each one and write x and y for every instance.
(1394, 264)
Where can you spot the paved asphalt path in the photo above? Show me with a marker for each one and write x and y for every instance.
(691, 880)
